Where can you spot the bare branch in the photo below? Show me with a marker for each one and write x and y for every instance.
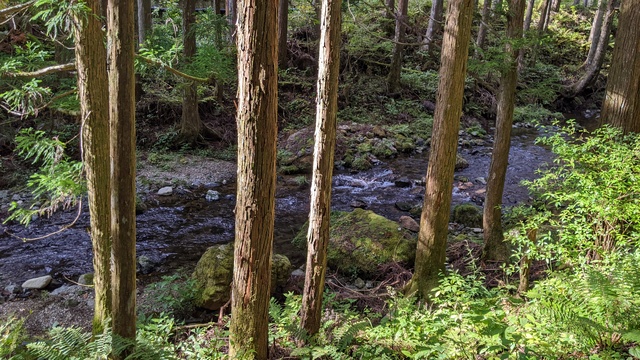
(41, 72)
(172, 70)
(7, 13)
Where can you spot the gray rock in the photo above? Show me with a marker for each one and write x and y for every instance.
(4, 194)
(403, 206)
(37, 283)
(66, 290)
(212, 195)
(481, 180)
(477, 230)
(403, 182)
(359, 283)
(165, 191)
(408, 223)
(16, 197)
(358, 204)
(86, 279)
(297, 273)
(13, 289)
(145, 264)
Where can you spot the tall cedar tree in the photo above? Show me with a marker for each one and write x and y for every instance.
(93, 93)
(144, 20)
(432, 238)
(257, 116)
(190, 124)
(121, 40)
(393, 78)
(495, 249)
(323, 154)
(482, 29)
(621, 107)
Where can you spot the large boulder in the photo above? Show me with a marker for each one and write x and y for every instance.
(360, 241)
(214, 273)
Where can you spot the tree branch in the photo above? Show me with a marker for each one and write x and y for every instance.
(172, 70)
(6, 14)
(44, 71)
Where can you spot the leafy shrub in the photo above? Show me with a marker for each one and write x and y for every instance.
(534, 114)
(590, 193)
(173, 295)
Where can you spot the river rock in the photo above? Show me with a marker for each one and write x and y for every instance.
(403, 182)
(468, 215)
(461, 163)
(37, 283)
(212, 195)
(408, 223)
(359, 204)
(13, 289)
(165, 191)
(86, 279)
(403, 205)
(481, 180)
(145, 264)
(214, 273)
(361, 240)
(4, 194)
(16, 197)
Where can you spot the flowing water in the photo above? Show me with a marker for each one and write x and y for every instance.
(175, 231)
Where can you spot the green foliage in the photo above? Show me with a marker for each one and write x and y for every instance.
(534, 114)
(174, 295)
(59, 179)
(12, 335)
(58, 15)
(590, 192)
(543, 83)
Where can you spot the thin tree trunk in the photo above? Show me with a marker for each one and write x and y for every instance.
(540, 29)
(525, 265)
(283, 20)
(121, 40)
(93, 93)
(232, 16)
(190, 124)
(393, 79)
(547, 16)
(432, 238)
(144, 20)
(593, 69)
(621, 107)
(495, 248)
(435, 24)
(323, 155)
(527, 19)
(596, 31)
(555, 5)
(257, 118)
(482, 30)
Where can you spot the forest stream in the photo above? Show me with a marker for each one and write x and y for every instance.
(175, 230)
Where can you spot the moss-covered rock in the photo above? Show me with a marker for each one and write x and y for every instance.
(461, 163)
(214, 273)
(362, 240)
(468, 215)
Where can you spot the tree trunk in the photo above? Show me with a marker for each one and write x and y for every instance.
(190, 124)
(121, 40)
(257, 118)
(621, 107)
(555, 5)
(144, 20)
(393, 78)
(283, 20)
(525, 264)
(435, 24)
(495, 248)
(93, 93)
(323, 154)
(596, 31)
(482, 30)
(547, 16)
(544, 10)
(593, 69)
(232, 16)
(527, 19)
(390, 9)
(432, 238)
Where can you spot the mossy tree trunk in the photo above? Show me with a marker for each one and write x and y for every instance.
(257, 42)
(596, 31)
(435, 24)
(393, 79)
(621, 107)
(93, 93)
(323, 156)
(190, 123)
(121, 40)
(432, 238)
(495, 248)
